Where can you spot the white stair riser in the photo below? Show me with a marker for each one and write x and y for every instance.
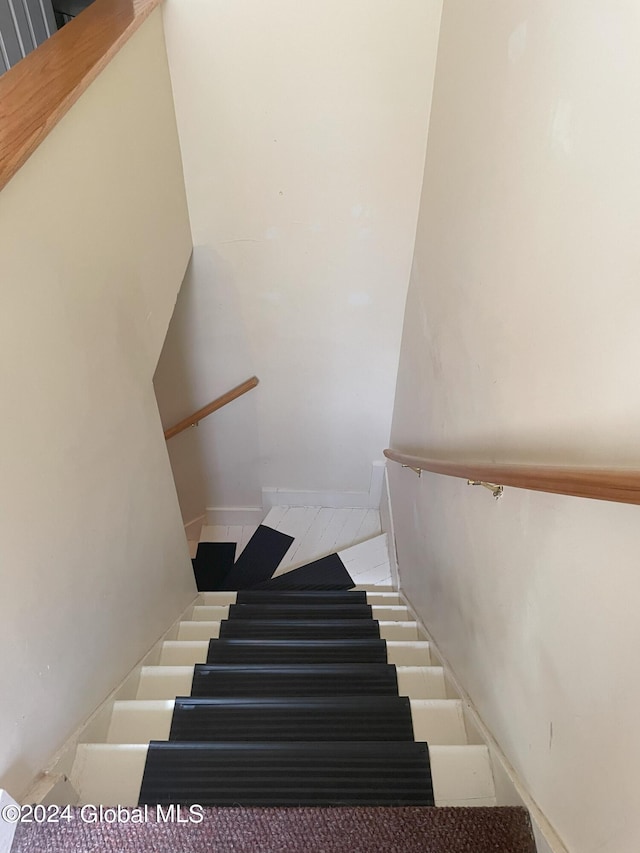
(111, 774)
(399, 631)
(437, 721)
(108, 774)
(164, 682)
(421, 682)
(183, 652)
(139, 721)
(216, 599)
(167, 682)
(205, 630)
(198, 630)
(462, 776)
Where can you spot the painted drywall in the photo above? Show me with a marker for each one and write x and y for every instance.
(94, 241)
(206, 352)
(520, 344)
(303, 132)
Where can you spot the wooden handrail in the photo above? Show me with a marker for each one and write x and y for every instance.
(218, 403)
(605, 484)
(37, 92)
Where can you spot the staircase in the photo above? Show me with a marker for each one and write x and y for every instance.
(315, 698)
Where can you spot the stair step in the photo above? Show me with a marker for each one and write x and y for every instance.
(217, 613)
(421, 682)
(189, 652)
(339, 830)
(300, 611)
(140, 720)
(164, 682)
(300, 629)
(344, 718)
(417, 653)
(213, 563)
(260, 596)
(110, 774)
(437, 721)
(326, 573)
(297, 651)
(216, 599)
(331, 629)
(190, 631)
(167, 682)
(399, 630)
(226, 598)
(464, 775)
(288, 774)
(183, 652)
(254, 680)
(260, 558)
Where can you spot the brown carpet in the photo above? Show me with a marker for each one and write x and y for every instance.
(296, 830)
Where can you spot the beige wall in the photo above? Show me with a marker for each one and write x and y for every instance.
(303, 131)
(520, 343)
(94, 240)
(206, 353)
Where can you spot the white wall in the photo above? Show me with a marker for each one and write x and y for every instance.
(94, 240)
(303, 132)
(206, 353)
(520, 344)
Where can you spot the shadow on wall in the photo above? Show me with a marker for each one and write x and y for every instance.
(550, 445)
(207, 352)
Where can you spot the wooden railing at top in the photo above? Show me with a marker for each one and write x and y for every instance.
(605, 484)
(37, 92)
(216, 404)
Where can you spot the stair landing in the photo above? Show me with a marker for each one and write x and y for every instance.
(354, 533)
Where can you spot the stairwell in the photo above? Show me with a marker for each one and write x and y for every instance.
(312, 700)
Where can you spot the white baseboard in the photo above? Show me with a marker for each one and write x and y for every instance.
(7, 827)
(235, 515)
(52, 785)
(192, 528)
(510, 790)
(275, 496)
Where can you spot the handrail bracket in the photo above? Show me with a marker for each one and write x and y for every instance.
(418, 471)
(494, 488)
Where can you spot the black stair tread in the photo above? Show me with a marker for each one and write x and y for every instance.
(312, 629)
(299, 611)
(260, 558)
(326, 573)
(287, 774)
(297, 651)
(212, 564)
(340, 718)
(267, 596)
(279, 680)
